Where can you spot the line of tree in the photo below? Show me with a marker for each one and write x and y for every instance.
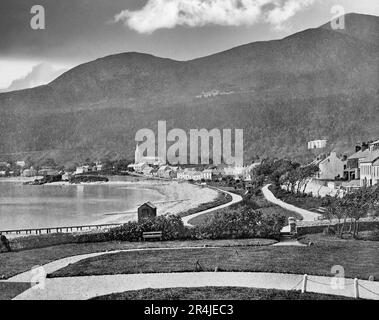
(283, 172)
(350, 209)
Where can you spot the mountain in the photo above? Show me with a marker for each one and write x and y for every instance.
(283, 93)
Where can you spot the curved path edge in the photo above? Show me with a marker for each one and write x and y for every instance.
(235, 199)
(80, 288)
(306, 214)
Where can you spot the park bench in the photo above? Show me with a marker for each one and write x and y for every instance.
(152, 235)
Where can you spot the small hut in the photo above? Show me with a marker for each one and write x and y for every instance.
(147, 211)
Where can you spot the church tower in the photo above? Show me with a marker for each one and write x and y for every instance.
(137, 154)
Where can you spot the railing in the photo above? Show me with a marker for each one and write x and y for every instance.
(60, 229)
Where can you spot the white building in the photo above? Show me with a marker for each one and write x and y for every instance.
(236, 171)
(369, 169)
(330, 168)
(139, 167)
(207, 174)
(81, 170)
(29, 172)
(188, 174)
(20, 164)
(148, 171)
(317, 144)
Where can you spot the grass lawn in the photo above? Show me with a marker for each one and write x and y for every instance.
(12, 263)
(304, 202)
(9, 290)
(359, 258)
(215, 293)
(267, 208)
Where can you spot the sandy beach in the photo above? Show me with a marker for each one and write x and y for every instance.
(177, 197)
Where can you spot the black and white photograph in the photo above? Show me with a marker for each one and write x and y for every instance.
(189, 155)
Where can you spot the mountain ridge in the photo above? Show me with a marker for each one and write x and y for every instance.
(124, 92)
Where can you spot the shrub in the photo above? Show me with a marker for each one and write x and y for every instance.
(241, 222)
(172, 228)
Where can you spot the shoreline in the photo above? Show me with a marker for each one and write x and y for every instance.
(175, 196)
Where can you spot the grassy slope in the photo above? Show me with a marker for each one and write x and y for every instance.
(359, 258)
(8, 290)
(265, 207)
(301, 201)
(215, 293)
(12, 263)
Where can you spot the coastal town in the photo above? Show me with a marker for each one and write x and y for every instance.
(199, 152)
(358, 168)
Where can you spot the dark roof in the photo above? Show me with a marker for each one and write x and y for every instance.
(149, 204)
(360, 154)
(372, 156)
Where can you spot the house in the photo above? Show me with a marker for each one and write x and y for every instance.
(148, 171)
(237, 171)
(331, 167)
(352, 166)
(173, 174)
(249, 171)
(29, 172)
(98, 166)
(162, 171)
(369, 169)
(20, 164)
(147, 211)
(4, 164)
(317, 144)
(189, 174)
(47, 171)
(207, 174)
(66, 176)
(140, 166)
(196, 175)
(81, 170)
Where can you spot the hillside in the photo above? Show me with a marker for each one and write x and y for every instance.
(316, 83)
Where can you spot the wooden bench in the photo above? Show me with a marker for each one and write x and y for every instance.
(152, 235)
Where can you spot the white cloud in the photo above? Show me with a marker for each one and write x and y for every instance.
(40, 74)
(280, 14)
(159, 14)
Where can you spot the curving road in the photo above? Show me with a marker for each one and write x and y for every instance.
(307, 215)
(235, 199)
(80, 288)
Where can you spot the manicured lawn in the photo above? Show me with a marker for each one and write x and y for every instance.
(304, 202)
(8, 290)
(268, 209)
(12, 263)
(359, 258)
(215, 293)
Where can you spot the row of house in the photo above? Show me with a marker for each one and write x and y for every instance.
(361, 168)
(89, 168)
(194, 174)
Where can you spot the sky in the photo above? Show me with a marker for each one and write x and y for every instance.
(78, 31)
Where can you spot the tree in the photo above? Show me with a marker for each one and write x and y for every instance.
(334, 210)
(305, 175)
(360, 202)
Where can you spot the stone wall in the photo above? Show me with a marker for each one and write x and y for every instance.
(311, 227)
